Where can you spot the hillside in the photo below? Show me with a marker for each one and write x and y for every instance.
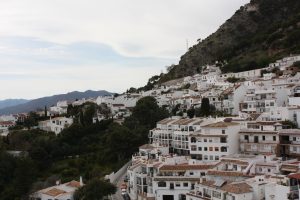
(52, 100)
(257, 34)
(11, 102)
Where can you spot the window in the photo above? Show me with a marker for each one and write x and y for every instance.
(193, 140)
(205, 148)
(211, 149)
(223, 149)
(223, 140)
(217, 158)
(274, 138)
(162, 184)
(185, 184)
(216, 194)
(177, 184)
(223, 131)
(205, 140)
(205, 157)
(263, 138)
(269, 170)
(294, 148)
(193, 147)
(199, 148)
(216, 148)
(294, 138)
(211, 157)
(191, 173)
(246, 137)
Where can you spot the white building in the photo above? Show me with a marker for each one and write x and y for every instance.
(58, 192)
(55, 125)
(214, 141)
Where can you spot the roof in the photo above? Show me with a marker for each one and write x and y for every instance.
(73, 183)
(226, 173)
(236, 188)
(54, 192)
(147, 146)
(295, 176)
(179, 178)
(165, 121)
(221, 124)
(185, 167)
(239, 162)
(289, 132)
(7, 123)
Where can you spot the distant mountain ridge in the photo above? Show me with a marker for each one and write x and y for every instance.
(40, 103)
(12, 102)
(257, 34)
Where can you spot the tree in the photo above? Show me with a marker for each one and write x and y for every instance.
(175, 109)
(147, 112)
(95, 190)
(205, 107)
(191, 113)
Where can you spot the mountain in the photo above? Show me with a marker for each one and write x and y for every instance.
(40, 103)
(11, 102)
(258, 33)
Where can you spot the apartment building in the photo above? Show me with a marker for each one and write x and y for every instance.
(260, 138)
(214, 141)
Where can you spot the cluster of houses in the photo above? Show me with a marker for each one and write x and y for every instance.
(217, 158)
(251, 155)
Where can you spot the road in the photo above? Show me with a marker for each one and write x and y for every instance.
(118, 182)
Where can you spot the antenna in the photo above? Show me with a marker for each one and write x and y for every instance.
(187, 45)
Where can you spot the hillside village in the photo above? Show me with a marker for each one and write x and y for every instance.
(244, 146)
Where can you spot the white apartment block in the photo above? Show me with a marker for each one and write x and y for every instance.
(215, 140)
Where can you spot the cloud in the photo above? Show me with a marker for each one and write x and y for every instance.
(49, 47)
(135, 27)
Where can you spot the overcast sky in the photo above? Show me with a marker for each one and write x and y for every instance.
(56, 46)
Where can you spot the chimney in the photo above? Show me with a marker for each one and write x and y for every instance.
(80, 181)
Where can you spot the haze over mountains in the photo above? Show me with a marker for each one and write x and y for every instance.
(19, 106)
(11, 102)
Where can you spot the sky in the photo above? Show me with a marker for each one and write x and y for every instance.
(51, 47)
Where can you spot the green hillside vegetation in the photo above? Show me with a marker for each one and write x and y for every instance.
(84, 149)
(257, 34)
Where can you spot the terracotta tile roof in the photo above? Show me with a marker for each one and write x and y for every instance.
(236, 188)
(54, 192)
(178, 178)
(206, 135)
(289, 132)
(226, 173)
(73, 183)
(221, 124)
(185, 167)
(294, 176)
(7, 123)
(165, 121)
(257, 131)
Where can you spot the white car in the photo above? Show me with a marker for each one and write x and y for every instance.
(123, 191)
